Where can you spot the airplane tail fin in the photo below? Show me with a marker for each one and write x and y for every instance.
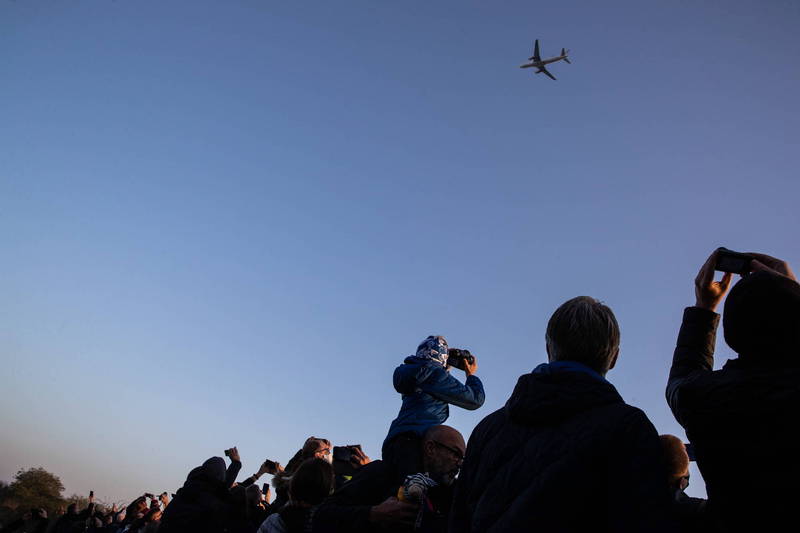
(564, 53)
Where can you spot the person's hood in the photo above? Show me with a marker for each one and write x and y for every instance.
(412, 372)
(554, 392)
(434, 348)
(211, 470)
(761, 318)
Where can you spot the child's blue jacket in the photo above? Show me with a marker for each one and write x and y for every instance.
(427, 389)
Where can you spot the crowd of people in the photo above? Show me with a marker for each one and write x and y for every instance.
(564, 454)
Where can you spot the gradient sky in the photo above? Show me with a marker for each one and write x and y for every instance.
(225, 223)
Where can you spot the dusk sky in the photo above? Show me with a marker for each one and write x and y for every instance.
(225, 223)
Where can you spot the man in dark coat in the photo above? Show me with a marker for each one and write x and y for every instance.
(742, 418)
(565, 453)
(203, 504)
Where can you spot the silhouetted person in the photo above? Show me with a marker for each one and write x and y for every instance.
(369, 501)
(689, 512)
(427, 390)
(741, 419)
(313, 447)
(566, 453)
(310, 484)
(73, 519)
(248, 511)
(203, 504)
(34, 521)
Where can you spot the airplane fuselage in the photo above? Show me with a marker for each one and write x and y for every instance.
(543, 62)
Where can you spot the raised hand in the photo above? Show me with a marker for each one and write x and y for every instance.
(471, 368)
(358, 457)
(233, 453)
(393, 513)
(707, 291)
(270, 467)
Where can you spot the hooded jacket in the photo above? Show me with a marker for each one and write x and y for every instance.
(742, 418)
(203, 504)
(564, 454)
(427, 389)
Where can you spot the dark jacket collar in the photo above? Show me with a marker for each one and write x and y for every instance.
(553, 393)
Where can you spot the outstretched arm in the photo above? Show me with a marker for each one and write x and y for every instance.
(444, 387)
(694, 352)
(233, 468)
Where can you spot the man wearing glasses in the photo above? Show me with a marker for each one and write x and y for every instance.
(369, 502)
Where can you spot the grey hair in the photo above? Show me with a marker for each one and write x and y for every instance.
(583, 330)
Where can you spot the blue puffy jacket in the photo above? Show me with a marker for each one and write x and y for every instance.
(427, 389)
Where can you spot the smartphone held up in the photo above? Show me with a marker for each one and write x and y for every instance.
(733, 262)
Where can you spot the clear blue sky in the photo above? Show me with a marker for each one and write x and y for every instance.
(225, 223)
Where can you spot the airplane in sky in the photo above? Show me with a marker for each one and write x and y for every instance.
(539, 63)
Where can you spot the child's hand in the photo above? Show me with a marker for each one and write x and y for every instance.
(471, 368)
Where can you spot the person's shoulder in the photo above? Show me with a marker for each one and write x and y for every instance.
(429, 372)
(374, 469)
(367, 487)
(273, 524)
(495, 417)
(625, 410)
(623, 419)
(490, 424)
(418, 367)
(738, 383)
(706, 387)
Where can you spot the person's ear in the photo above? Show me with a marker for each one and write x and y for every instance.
(428, 448)
(613, 359)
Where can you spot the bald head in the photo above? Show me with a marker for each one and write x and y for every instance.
(443, 450)
(445, 435)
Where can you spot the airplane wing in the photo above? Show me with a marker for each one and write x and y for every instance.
(535, 56)
(542, 69)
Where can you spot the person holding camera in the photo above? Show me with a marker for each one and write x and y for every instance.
(203, 504)
(742, 417)
(427, 390)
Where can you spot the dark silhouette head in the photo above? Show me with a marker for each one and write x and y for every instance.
(677, 460)
(214, 468)
(312, 482)
(584, 330)
(762, 318)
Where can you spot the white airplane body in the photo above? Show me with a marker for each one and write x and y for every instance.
(537, 62)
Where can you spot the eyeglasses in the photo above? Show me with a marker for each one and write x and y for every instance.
(324, 452)
(458, 454)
